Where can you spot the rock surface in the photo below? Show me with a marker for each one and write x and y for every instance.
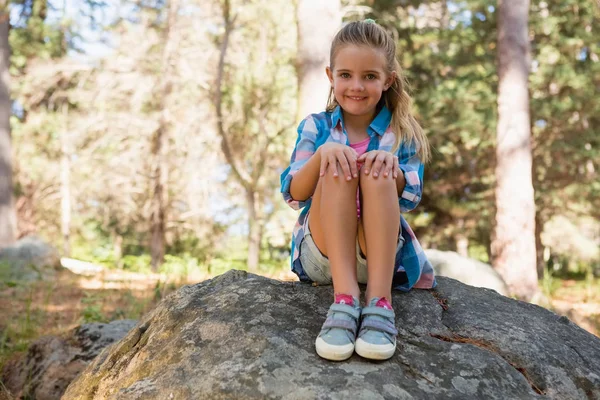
(466, 270)
(29, 259)
(52, 362)
(241, 336)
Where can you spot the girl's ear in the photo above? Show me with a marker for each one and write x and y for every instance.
(390, 80)
(329, 74)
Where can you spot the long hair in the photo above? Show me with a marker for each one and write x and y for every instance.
(396, 99)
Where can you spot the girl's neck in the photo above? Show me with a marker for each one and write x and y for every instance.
(357, 123)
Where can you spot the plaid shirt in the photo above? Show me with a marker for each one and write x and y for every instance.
(317, 129)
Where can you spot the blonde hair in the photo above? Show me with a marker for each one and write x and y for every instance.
(396, 99)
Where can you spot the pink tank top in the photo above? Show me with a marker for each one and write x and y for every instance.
(360, 148)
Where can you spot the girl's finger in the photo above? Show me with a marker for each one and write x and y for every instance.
(378, 164)
(351, 157)
(389, 166)
(333, 165)
(368, 161)
(396, 167)
(343, 162)
(323, 166)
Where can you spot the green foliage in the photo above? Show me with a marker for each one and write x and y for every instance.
(549, 284)
(133, 307)
(17, 335)
(34, 37)
(136, 263)
(92, 310)
(180, 266)
(565, 107)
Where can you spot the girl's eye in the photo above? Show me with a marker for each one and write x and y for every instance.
(344, 75)
(370, 77)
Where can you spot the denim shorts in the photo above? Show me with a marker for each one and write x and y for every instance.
(316, 265)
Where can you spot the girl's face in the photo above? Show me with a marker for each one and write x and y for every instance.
(359, 78)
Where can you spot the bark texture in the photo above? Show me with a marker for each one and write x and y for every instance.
(8, 225)
(513, 248)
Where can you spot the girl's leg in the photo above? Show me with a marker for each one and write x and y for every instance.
(333, 224)
(378, 233)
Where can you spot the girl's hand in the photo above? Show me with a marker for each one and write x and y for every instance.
(380, 162)
(334, 153)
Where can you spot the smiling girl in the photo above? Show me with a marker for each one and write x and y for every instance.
(354, 169)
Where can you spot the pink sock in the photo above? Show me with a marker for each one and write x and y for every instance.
(344, 299)
(384, 303)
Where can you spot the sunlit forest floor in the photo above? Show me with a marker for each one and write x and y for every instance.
(54, 307)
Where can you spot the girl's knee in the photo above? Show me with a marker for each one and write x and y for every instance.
(340, 180)
(370, 183)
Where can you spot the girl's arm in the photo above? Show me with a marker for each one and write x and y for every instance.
(305, 180)
(304, 155)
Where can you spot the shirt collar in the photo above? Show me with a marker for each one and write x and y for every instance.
(336, 116)
(379, 124)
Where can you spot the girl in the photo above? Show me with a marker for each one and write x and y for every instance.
(354, 169)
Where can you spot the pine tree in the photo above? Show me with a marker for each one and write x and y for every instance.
(513, 246)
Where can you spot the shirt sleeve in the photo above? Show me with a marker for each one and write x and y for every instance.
(412, 168)
(305, 147)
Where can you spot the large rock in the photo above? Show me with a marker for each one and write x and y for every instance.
(52, 362)
(467, 270)
(241, 336)
(28, 259)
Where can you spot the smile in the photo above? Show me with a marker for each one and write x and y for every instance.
(356, 98)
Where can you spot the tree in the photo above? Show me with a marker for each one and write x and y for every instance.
(7, 211)
(160, 141)
(317, 22)
(254, 106)
(39, 45)
(513, 245)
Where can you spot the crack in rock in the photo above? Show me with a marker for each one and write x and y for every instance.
(456, 338)
(492, 349)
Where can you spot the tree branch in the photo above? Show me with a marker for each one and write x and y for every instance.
(240, 174)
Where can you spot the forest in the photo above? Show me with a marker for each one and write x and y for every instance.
(147, 137)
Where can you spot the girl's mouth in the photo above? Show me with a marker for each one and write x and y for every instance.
(356, 98)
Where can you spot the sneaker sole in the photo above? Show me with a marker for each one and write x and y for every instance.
(332, 352)
(375, 351)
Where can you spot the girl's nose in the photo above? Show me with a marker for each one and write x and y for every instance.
(357, 85)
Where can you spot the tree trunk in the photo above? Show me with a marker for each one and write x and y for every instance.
(514, 243)
(65, 184)
(160, 143)
(254, 230)
(461, 240)
(117, 247)
(7, 210)
(539, 246)
(317, 22)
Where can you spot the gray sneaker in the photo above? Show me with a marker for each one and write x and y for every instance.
(338, 334)
(377, 335)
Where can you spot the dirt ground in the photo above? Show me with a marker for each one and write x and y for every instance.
(54, 307)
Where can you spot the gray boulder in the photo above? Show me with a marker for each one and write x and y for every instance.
(466, 270)
(241, 336)
(52, 362)
(29, 259)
